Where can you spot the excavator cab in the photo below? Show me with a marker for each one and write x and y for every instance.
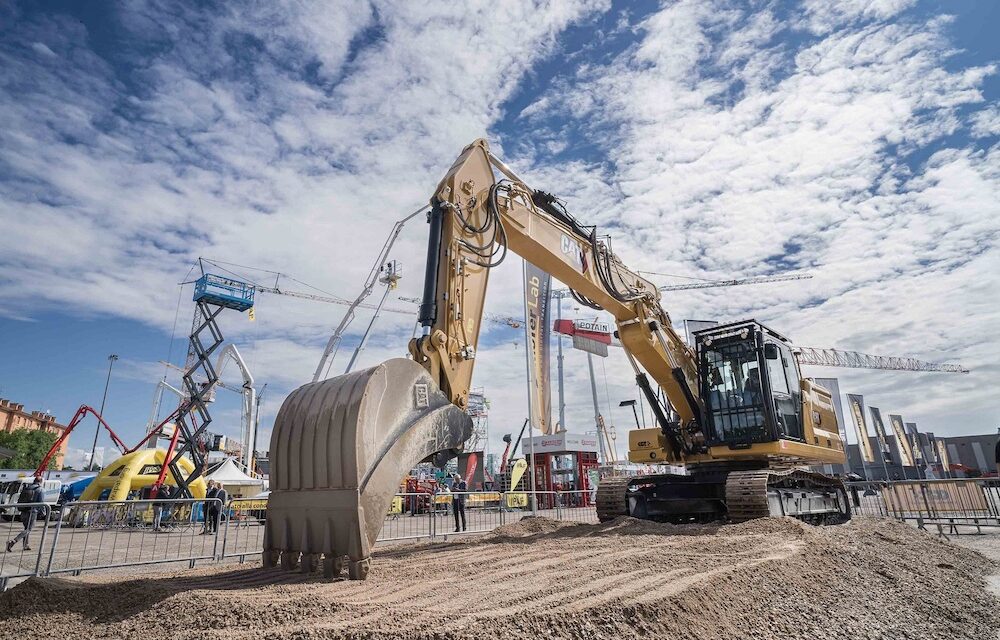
(751, 386)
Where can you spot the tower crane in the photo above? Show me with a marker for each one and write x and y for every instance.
(736, 282)
(857, 360)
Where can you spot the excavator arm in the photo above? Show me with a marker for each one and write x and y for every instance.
(340, 447)
(475, 220)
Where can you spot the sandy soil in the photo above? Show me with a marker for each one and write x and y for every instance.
(763, 579)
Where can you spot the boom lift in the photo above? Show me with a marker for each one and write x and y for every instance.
(745, 416)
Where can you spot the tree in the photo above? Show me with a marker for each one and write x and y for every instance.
(29, 446)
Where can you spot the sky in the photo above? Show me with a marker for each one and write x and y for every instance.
(854, 141)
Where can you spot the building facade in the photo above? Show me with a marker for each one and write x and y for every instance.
(14, 417)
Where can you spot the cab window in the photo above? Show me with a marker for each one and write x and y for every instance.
(776, 373)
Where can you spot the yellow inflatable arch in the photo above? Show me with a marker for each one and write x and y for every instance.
(136, 470)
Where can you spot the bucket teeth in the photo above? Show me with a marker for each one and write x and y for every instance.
(339, 450)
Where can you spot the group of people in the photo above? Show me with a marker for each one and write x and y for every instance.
(213, 509)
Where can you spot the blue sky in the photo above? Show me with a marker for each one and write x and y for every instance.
(854, 140)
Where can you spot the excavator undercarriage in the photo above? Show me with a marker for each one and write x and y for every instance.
(720, 492)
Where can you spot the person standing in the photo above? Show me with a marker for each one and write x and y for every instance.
(161, 510)
(30, 494)
(220, 508)
(210, 506)
(459, 487)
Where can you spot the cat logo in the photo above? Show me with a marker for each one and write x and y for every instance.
(644, 443)
(572, 250)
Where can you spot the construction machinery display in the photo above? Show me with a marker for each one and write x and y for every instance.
(738, 414)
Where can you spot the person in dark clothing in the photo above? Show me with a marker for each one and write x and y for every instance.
(210, 507)
(161, 510)
(222, 495)
(30, 494)
(458, 488)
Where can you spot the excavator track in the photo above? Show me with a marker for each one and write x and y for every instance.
(612, 500)
(772, 492)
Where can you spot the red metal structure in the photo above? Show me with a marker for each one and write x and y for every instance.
(82, 412)
(78, 417)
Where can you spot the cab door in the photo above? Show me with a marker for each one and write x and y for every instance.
(785, 393)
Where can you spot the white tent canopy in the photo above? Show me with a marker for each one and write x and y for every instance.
(232, 477)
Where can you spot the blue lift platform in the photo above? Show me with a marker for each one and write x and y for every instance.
(224, 292)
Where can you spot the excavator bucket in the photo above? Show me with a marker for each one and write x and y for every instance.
(339, 450)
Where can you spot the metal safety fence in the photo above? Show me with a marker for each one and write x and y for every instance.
(949, 505)
(423, 516)
(103, 535)
(24, 536)
(89, 536)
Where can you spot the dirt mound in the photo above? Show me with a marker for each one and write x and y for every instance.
(532, 525)
(624, 579)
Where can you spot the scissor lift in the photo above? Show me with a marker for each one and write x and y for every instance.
(212, 294)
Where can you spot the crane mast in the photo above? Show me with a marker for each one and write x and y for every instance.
(858, 360)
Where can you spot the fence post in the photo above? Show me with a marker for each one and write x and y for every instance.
(55, 539)
(215, 544)
(503, 505)
(41, 542)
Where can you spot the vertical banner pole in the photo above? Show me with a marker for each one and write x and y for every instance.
(531, 390)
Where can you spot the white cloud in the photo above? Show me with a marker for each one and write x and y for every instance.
(41, 49)
(290, 136)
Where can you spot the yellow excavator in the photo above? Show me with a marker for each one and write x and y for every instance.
(738, 414)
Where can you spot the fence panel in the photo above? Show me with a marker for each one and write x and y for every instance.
(471, 512)
(577, 506)
(412, 515)
(243, 528)
(968, 502)
(102, 535)
(867, 500)
(24, 540)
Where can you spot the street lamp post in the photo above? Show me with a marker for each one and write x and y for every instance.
(631, 403)
(93, 450)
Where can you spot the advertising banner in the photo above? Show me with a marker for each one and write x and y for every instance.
(918, 450)
(591, 336)
(883, 440)
(562, 442)
(537, 288)
(858, 413)
(902, 442)
(942, 452)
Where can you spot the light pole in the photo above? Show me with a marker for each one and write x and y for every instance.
(97, 432)
(631, 403)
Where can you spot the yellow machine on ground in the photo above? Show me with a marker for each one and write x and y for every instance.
(739, 417)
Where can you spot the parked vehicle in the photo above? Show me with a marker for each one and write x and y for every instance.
(10, 490)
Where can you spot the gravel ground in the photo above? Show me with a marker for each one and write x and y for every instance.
(763, 579)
